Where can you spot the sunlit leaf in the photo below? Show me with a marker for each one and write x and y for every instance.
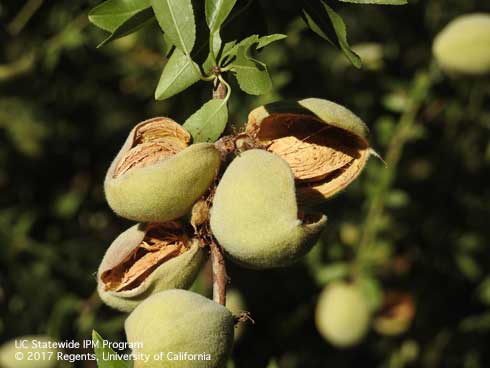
(246, 43)
(176, 18)
(228, 46)
(179, 73)
(225, 53)
(267, 40)
(111, 14)
(210, 59)
(215, 43)
(217, 11)
(131, 25)
(208, 64)
(252, 75)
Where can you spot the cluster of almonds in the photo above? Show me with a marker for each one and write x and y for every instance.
(297, 155)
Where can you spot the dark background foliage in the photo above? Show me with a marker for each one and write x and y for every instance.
(65, 108)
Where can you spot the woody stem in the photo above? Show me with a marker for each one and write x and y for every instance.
(220, 277)
(219, 273)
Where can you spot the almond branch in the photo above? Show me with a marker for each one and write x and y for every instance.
(220, 278)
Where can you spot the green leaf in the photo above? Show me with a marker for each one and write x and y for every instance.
(231, 50)
(210, 59)
(216, 13)
(207, 123)
(176, 19)
(131, 25)
(179, 73)
(252, 75)
(267, 40)
(112, 14)
(225, 56)
(376, 2)
(215, 43)
(104, 352)
(208, 64)
(228, 46)
(167, 45)
(315, 18)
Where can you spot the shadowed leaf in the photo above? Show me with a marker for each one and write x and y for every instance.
(207, 123)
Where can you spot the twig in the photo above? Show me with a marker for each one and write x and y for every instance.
(23, 64)
(24, 15)
(220, 278)
(402, 134)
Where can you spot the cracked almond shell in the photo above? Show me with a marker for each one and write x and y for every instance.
(146, 259)
(156, 176)
(324, 143)
(463, 46)
(342, 314)
(176, 321)
(255, 216)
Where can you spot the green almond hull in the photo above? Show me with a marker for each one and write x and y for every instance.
(176, 321)
(255, 215)
(342, 315)
(166, 190)
(463, 46)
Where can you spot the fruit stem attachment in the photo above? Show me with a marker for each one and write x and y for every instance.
(220, 278)
(219, 89)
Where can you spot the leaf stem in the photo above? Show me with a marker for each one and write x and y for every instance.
(208, 78)
(221, 89)
(227, 68)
